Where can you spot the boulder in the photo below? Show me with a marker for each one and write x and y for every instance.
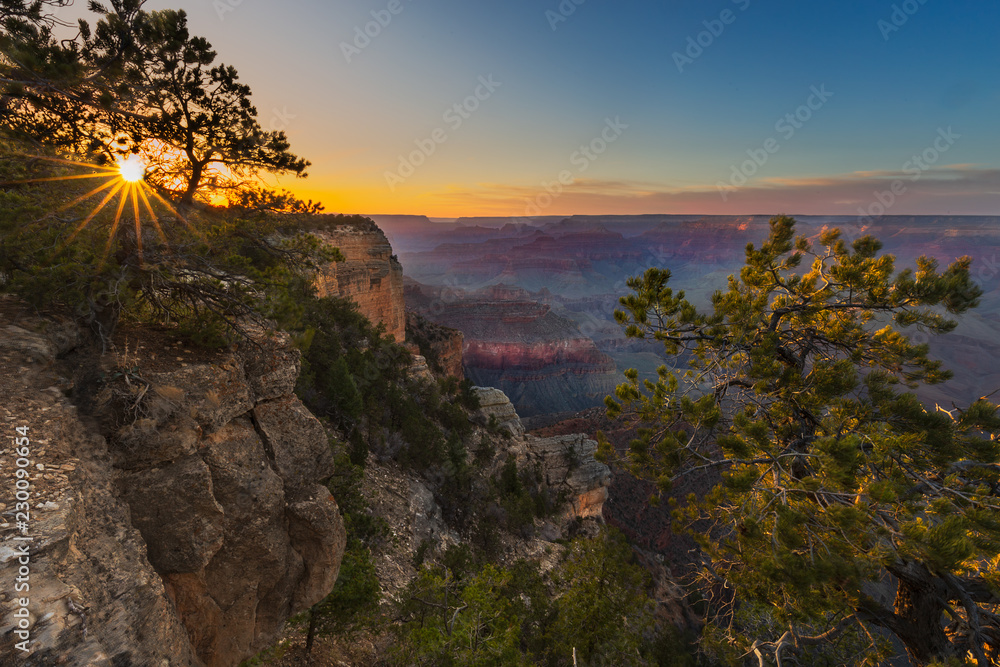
(295, 440)
(185, 522)
(568, 464)
(494, 403)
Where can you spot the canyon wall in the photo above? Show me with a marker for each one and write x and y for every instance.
(178, 512)
(441, 346)
(566, 462)
(370, 276)
(540, 360)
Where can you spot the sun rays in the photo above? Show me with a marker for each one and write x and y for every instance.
(126, 181)
(132, 169)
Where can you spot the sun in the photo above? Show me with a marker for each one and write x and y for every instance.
(132, 169)
(127, 182)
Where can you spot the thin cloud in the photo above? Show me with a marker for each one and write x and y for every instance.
(953, 189)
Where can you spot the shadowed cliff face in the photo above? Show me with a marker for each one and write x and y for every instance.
(192, 521)
(539, 359)
(648, 526)
(442, 346)
(566, 461)
(370, 277)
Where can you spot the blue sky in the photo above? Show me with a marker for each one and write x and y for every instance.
(897, 73)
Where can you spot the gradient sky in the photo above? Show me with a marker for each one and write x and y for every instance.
(896, 89)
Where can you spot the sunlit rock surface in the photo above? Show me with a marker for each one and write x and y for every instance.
(371, 276)
(179, 513)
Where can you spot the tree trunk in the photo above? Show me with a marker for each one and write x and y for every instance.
(311, 633)
(193, 182)
(919, 611)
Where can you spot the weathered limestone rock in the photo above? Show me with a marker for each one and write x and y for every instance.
(419, 368)
(212, 394)
(371, 276)
(174, 509)
(312, 527)
(187, 531)
(33, 346)
(568, 463)
(149, 442)
(295, 440)
(95, 599)
(276, 536)
(494, 403)
(427, 522)
(271, 364)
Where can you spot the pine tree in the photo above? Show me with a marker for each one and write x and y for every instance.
(139, 82)
(197, 110)
(836, 481)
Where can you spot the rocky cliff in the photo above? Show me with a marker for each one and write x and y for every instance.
(440, 346)
(566, 462)
(370, 276)
(648, 526)
(178, 515)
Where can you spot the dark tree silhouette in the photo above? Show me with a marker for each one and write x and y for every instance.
(197, 114)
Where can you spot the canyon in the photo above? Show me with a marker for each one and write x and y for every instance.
(578, 267)
(180, 514)
(540, 360)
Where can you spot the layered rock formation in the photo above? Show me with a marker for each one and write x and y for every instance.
(539, 359)
(440, 346)
(566, 462)
(370, 276)
(185, 527)
(495, 406)
(649, 526)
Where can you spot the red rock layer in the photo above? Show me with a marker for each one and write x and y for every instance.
(541, 355)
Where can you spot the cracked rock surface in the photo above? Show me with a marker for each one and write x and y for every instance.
(178, 516)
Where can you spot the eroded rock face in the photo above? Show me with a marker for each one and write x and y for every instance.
(441, 345)
(567, 462)
(223, 479)
(94, 599)
(177, 513)
(371, 276)
(188, 526)
(540, 360)
(495, 406)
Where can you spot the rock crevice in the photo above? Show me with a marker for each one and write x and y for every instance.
(188, 519)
